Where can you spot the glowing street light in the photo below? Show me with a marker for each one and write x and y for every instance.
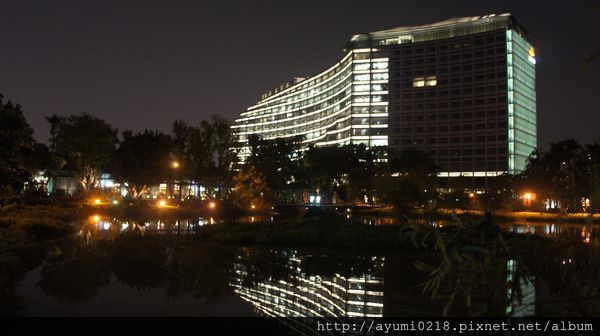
(212, 205)
(528, 197)
(97, 201)
(162, 203)
(95, 218)
(253, 207)
(175, 165)
(471, 195)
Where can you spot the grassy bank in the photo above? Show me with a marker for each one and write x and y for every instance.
(25, 232)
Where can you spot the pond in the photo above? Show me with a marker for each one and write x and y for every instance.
(157, 268)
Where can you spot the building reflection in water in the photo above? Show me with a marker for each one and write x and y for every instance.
(330, 294)
(526, 305)
(299, 284)
(311, 295)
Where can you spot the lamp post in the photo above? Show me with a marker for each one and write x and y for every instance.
(528, 197)
(175, 165)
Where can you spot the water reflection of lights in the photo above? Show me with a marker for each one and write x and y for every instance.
(116, 225)
(586, 235)
(525, 306)
(313, 295)
(567, 261)
(104, 224)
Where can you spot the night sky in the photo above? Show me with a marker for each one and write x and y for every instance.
(141, 64)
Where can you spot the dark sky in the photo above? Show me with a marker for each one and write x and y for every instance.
(141, 64)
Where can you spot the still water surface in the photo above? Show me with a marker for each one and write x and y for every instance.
(155, 268)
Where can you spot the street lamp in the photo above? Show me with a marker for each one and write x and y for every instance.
(528, 197)
(175, 165)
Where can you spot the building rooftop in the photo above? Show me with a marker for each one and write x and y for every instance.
(453, 27)
(449, 28)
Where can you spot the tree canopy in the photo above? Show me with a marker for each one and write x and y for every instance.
(205, 151)
(85, 144)
(20, 155)
(142, 160)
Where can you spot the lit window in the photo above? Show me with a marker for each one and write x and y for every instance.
(362, 87)
(361, 99)
(405, 39)
(380, 76)
(379, 142)
(361, 66)
(380, 65)
(419, 82)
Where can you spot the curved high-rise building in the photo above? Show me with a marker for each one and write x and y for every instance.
(462, 90)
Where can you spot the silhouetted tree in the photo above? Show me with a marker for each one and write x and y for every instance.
(20, 155)
(206, 152)
(557, 173)
(250, 188)
(411, 181)
(276, 161)
(85, 144)
(142, 160)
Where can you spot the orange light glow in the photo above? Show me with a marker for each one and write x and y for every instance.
(97, 201)
(95, 218)
(253, 207)
(586, 235)
(175, 164)
(161, 203)
(212, 205)
(471, 195)
(528, 197)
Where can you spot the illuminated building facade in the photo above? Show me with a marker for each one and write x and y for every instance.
(462, 90)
